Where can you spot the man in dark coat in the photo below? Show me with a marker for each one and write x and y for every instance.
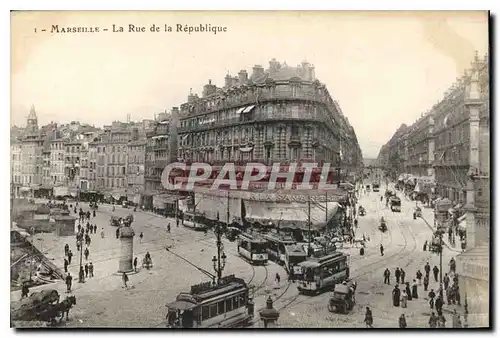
(403, 274)
(435, 270)
(439, 304)
(408, 291)
(66, 265)
(402, 321)
(396, 294)
(426, 282)
(66, 249)
(397, 273)
(433, 321)
(135, 264)
(91, 270)
(432, 294)
(86, 253)
(69, 281)
(368, 317)
(70, 254)
(427, 269)
(86, 270)
(414, 290)
(118, 233)
(381, 250)
(387, 274)
(25, 290)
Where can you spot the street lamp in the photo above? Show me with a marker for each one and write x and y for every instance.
(80, 243)
(219, 261)
(269, 315)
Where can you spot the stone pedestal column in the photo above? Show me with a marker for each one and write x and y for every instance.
(127, 250)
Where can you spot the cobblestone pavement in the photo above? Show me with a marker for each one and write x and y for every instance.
(103, 302)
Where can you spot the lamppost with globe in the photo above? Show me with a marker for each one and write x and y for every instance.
(219, 261)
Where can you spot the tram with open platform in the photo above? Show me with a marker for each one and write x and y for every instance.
(224, 305)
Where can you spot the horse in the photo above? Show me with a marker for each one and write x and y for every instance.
(65, 306)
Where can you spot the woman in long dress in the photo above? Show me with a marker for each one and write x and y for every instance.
(408, 291)
(414, 290)
(404, 299)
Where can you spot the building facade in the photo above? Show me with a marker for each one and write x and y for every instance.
(57, 163)
(156, 153)
(136, 154)
(450, 144)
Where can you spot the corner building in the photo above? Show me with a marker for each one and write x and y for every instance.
(281, 114)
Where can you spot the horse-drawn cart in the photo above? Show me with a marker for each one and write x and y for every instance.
(343, 297)
(147, 263)
(383, 225)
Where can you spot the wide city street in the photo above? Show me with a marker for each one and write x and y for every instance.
(103, 302)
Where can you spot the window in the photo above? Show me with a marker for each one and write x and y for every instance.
(229, 305)
(235, 302)
(213, 310)
(220, 307)
(205, 313)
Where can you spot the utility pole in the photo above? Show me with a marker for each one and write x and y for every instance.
(441, 264)
(326, 208)
(228, 208)
(218, 264)
(309, 224)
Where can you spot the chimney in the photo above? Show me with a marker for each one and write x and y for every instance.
(228, 81)
(258, 72)
(191, 97)
(242, 77)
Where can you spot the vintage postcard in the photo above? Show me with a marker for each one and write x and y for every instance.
(250, 169)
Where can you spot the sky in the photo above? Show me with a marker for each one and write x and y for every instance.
(384, 68)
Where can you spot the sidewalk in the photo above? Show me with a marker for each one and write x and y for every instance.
(428, 214)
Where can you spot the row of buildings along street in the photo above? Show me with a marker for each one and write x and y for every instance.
(254, 257)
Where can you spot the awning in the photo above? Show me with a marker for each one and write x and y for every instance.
(292, 215)
(239, 111)
(248, 109)
(246, 149)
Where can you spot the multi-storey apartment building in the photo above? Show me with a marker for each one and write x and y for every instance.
(450, 143)
(57, 163)
(136, 152)
(72, 163)
(92, 165)
(156, 153)
(15, 166)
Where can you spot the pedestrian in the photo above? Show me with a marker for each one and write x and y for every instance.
(93, 212)
(397, 273)
(362, 251)
(70, 254)
(427, 269)
(425, 246)
(396, 294)
(102, 233)
(25, 290)
(86, 270)
(125, 280)
(79, 227)
(404, 299)
(426, 282)
(381, 198)
(403, 274)
(387, 274)
(453, 265)
(414, 290)
(408, 291)
(66, 249)
(118, 233)
(368, 318)
(91, 270)
(435, 270)
(168, 227)
(69, 281)
(141, 236)
(278, 278)
(432, 294)
(446, 281)
(177, 222)
(81, 275)
(86, 253)
(439, 304)
(419, 277)
(402, 321)
(77, 245)
(433, 321)
(381, 250)
(456, 323)
(66, 265)
(135, 264)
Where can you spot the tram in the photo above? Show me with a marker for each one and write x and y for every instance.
(294, 255)
(225, 305)
(253, 248)
(321, 273)
(277, 244)
(193, 221)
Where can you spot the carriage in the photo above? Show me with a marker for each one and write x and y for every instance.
(417, 213)
(362, 211)
(436, 243)
(42, 306)
(115, 221)
(147, 263)
(395, 204)
(343, 297)
(383, 225)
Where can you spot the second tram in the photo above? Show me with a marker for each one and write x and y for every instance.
(324, 272)
(253, 248)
